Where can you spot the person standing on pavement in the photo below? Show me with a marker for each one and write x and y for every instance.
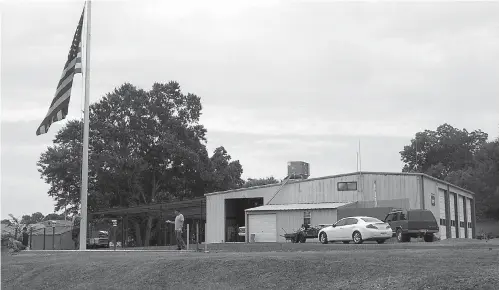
(179, 225)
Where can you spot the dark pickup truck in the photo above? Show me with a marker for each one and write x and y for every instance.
(407, 224)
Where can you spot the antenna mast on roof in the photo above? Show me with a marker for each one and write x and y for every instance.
(357, 161)
(359, 170)
(360, 160)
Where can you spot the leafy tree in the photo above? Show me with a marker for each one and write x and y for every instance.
(32, 219)
(15, 226)
(6, 222)
(462, 158)
(54, 216)
(145, 147)
(259, 181)
(440, 152)
(225, 174)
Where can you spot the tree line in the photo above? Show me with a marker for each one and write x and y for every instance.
(34, 218)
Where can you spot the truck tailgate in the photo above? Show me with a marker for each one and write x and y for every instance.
(423, 220)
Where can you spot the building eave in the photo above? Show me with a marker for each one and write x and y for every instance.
(341, 175)
(297, 206)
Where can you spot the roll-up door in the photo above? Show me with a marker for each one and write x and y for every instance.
(441, 205)
(264, 226)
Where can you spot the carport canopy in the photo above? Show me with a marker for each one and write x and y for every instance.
(192, 209)
(298, 206)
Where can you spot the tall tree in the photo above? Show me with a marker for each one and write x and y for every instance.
(440, 152)
(225, 174)
(463, 158)
(144, 147)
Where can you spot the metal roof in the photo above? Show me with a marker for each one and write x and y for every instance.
(194, 208)
(342, 175)
(56, 230)
(298, 206)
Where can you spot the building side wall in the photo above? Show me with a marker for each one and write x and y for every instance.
(324, 216)
(392, 190)
(430, 188)
(436, 188)
(316, 191)
(376, 212)
(292, 220)
(288, 222)
(460, 228)
(215, 210)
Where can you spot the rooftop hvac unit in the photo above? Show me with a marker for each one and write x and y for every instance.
(298, 170)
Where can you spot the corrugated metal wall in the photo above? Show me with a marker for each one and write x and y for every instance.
(61, 241)
(317, 191)
(392, 190)
(392, 187)
(290, 221)
(378, 212)
(324, 216)
(215, 210)
(435, 188)
(431, 189)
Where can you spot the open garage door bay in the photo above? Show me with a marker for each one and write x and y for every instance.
(264, 226)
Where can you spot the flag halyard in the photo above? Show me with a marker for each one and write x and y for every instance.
(58, 109)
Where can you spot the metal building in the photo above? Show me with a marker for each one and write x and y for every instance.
(453, 207)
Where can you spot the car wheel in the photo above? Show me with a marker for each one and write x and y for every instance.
(303, 239)
(346, 242)
(400, 236)
(323, 238)
(428, 238)
(381, 241)
(357, 238)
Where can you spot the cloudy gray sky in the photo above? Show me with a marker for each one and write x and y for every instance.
(279, 80)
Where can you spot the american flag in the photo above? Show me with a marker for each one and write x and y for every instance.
(59, 107)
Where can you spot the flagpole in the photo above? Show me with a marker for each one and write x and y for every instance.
(86, 129)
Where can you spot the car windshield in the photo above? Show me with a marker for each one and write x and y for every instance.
(371, 220)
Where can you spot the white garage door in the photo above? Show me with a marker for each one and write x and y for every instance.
(452, 197)
(468, 212)
(441, 205)
(460, 206)
(263, 226)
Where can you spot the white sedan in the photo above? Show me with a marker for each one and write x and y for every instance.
(357, 229)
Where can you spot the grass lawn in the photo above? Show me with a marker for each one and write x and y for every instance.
(442, 265)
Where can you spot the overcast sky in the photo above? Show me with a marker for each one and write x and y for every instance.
(279, 80)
